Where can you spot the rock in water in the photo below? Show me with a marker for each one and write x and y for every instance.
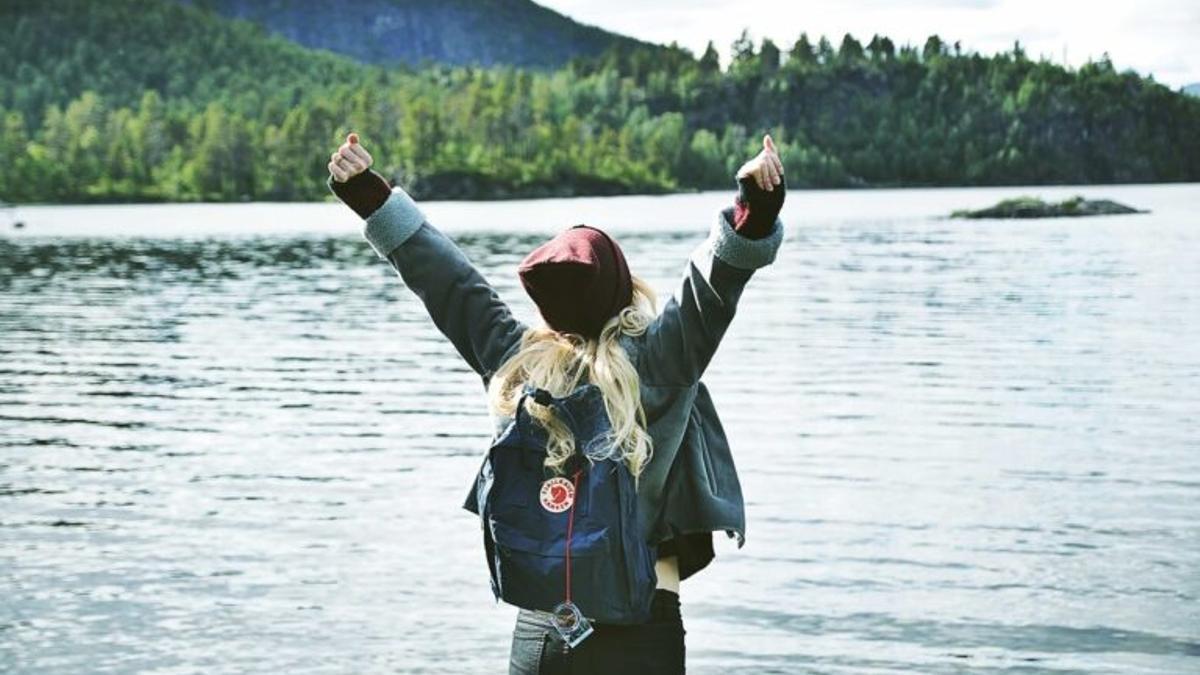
(1032, 207)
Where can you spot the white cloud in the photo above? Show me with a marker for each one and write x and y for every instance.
(1158, 37)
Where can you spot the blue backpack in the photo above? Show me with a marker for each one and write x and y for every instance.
(574, 538)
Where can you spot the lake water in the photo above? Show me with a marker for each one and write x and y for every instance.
(232, 441)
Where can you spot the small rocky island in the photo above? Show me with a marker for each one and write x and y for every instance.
(1032, 207)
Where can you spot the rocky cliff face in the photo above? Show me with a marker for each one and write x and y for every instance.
(485, 32)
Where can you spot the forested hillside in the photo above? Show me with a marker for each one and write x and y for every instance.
(155, 100)
(456, 32)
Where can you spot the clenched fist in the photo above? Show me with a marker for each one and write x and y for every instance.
(349, 160)
(766, 167)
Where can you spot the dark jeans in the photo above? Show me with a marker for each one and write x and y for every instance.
(652, 648)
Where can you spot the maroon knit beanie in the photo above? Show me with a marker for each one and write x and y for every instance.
(579, 280)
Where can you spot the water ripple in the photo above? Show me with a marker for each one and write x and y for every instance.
(239, 451)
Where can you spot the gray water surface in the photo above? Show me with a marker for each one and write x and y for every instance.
(232, 441)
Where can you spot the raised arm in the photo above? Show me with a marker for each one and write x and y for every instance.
(461, 302)
(680, 343)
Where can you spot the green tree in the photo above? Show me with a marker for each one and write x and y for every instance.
(768, 55)
(802, 52)
(850, 51)
(710, 62)
(933, 48)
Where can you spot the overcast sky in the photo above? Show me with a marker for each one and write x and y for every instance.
(1159, 37)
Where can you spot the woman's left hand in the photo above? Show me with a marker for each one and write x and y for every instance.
(766, 167)
(349, 160)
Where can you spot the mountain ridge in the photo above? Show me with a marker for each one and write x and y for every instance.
(456, 32)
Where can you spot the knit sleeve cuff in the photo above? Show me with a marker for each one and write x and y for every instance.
(740, 251)
(393, 223)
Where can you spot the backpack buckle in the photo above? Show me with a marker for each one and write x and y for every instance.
(540, 395)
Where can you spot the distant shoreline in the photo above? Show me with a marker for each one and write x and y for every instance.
(508, 197)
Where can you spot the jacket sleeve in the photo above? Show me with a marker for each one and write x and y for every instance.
(680, 342)
(461, 302)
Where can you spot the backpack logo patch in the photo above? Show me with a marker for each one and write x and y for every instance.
(557, 494)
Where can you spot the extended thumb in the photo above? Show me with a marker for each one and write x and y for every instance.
(352, 139)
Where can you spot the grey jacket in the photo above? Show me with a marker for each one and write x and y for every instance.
(690, 486)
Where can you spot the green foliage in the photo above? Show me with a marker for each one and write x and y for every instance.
(154, 100)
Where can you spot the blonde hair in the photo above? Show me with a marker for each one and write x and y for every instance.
(560, 362)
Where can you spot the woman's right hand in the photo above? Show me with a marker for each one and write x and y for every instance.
(349, 160)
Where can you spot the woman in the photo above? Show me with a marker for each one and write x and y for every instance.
(600, 324)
